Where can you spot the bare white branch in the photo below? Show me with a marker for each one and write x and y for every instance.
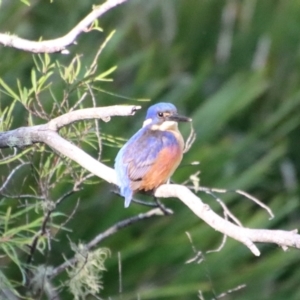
(240, 192)
(59, 44)
(47, 134)
(244, 235)
(103, 113)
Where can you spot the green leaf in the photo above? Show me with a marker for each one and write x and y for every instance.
(106, 73)
(7, 219)
(8, 90)
(33, 80)
(25, 2)
(16, 157)
(12, 254)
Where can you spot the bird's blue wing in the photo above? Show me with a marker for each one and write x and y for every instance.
(142, 154)
(136, 158)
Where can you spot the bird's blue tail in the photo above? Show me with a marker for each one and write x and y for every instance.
(127, 193)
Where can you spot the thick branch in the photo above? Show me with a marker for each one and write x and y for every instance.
(244, 235)
(73, 152)
(26, 136)
(61, 43)
(47, 134)
(103, 113)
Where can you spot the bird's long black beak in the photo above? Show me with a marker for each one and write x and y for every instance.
(179, 118)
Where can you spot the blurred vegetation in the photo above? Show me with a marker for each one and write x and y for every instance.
(233, 66)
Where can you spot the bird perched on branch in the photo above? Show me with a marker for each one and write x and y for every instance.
(151, 156)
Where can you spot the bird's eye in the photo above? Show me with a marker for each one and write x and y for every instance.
(160, 114)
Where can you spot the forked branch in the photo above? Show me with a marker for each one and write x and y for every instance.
(48, 134)
(59, 44)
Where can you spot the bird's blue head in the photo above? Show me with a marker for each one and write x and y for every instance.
(163, 115)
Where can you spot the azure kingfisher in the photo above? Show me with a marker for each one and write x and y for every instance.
(151, 156)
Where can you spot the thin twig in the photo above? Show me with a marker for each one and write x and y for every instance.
(120, 274)
(97, 131)
(222, 295)
(240, 192)
(258, 202)
(41, 232)
(6, 159)
(198, 258)
(190, 140)
(224, 239)
(71, 215)
(110, 231)
(79, 101)
(11, 174)
(225, 208)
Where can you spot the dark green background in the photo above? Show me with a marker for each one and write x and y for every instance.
(244, 99)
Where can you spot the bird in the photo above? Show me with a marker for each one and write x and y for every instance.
(149, 158)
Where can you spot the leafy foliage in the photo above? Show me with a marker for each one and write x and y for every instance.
(29, 225)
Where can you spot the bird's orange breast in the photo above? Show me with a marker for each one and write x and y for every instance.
(167, 161)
